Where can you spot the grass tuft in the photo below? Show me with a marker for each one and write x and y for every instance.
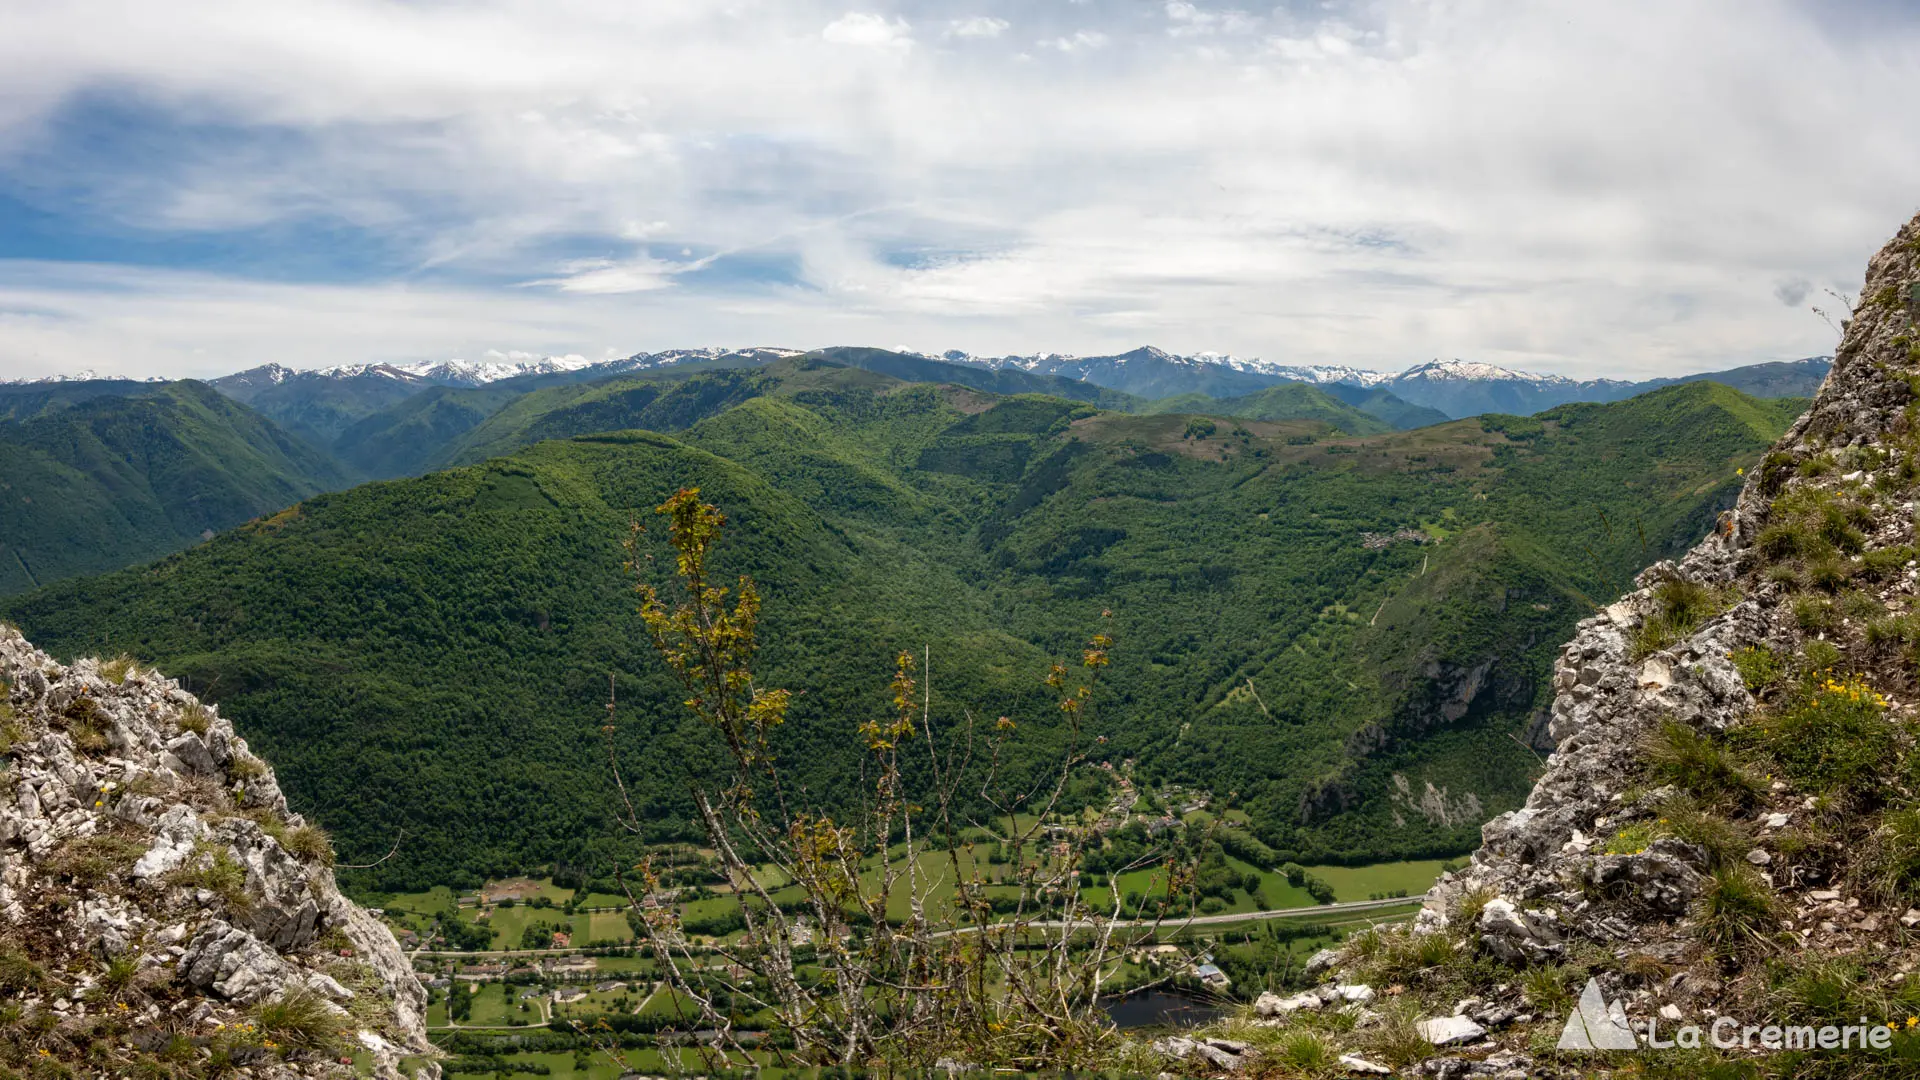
(1892, 866)
(310, 843)
(93, 861)
(1306, 1051)
(214, 869)
(195, 718)
(1698, 764)
(19, 973)
(118, 669)
(1680, 607)
(1813, 614)
(1546, 988)
(300, 1019)
(1396, 1041)
(1726, 842)
(1468, 905)
(1736, 910)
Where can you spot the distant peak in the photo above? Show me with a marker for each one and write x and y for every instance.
(1475, 370)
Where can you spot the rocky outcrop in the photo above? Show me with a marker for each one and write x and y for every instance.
(160, 905)
(1699, 813)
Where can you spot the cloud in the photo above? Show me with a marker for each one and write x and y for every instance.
(977, 26)
(1190, 20)
(1596, 189)
(603, 276)
(871, 31)
(1078, 41)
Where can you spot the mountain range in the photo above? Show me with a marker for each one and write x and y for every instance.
(275, 434)
(319, 404)
(1341, 628)
(1333, 600)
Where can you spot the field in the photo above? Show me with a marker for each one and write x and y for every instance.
(498, 1005)
(1350, 883)
(621, 967)
(417, 911)
(623, 1000)
(1360, 882)
(561, 1066)
(523, 889)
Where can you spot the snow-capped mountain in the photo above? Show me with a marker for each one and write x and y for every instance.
(83, 375)
(755, 354)
(460, 372)
(1455, 387)
(318, 401)
(1145, 372)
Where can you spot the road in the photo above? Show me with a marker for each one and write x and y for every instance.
(1318, 910)
(1215, 920)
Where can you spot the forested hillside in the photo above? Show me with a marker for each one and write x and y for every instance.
(1347, 636)
(1288, 401)
(97, 475)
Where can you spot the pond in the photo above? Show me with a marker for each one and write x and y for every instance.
(1160, 1008)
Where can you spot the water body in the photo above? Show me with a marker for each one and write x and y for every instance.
(1160, 1008)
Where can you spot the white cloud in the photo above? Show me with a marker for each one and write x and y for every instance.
(611, 276)
(1078, 41)
(1189, 20)
(977, 26)
(1626, 188)
(871, 31)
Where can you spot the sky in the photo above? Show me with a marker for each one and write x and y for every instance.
(1627, 188)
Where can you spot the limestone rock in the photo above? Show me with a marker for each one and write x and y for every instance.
(1516, 936)
(233, 964)
(1448, 1030)
(1663, 879)
(164, 805)
(1321, 961)
(1271, 1004)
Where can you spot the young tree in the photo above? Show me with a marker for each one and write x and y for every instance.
(1007, 979)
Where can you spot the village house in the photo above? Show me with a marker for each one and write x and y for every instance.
(571, 965)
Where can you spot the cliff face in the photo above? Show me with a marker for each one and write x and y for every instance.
(1729, 825)
(1806, 589)
(162, 911)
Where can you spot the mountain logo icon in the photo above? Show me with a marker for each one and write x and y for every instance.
(1596, 1025)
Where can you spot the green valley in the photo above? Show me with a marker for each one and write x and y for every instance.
(1344, 637)
(97, 475)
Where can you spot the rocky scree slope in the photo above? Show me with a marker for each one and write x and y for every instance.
(162, 912)
(1730, 822)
